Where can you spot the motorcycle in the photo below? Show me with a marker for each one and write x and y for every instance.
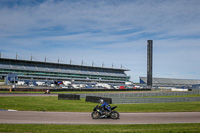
(97, 113)
(47, 92)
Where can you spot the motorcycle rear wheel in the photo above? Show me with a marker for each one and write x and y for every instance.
(95, 115)
(114, 115)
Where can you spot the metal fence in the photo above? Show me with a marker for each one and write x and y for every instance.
(138, 97)
(139, 94)
(154, 100)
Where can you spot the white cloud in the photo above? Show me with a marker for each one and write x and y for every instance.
(153, 16)
(107, 31)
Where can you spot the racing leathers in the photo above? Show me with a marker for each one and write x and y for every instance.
(105, 108)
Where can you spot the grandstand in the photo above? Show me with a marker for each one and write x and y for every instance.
(37, 70)
(171, 82)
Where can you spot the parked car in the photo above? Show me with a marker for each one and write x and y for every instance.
(122, 87)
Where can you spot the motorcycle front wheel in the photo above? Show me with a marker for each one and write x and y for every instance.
(114, 115)
(95, 115)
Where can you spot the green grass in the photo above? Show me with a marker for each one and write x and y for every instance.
(161, 107)
(44, 104)
(53, 104)
(144, 128)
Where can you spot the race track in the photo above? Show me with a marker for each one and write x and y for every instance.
(34, 117)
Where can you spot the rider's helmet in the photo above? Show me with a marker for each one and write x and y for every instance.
(101, 101)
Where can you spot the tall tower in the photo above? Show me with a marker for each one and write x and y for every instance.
(149, 62)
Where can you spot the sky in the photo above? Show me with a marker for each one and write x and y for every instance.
(109, 32)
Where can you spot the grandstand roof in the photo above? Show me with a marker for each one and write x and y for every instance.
(171, 81)
(60, 64)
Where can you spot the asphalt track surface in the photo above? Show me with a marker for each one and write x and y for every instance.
(35, 117)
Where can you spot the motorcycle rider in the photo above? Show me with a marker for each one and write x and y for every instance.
(105, 107)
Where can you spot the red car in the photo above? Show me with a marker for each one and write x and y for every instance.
(122, 87)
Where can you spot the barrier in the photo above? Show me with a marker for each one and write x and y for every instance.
(96, 99)
(68, 97)
(154, 100)
(38, 89)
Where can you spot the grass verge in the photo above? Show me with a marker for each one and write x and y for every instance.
(53, 104)
(144, 128)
